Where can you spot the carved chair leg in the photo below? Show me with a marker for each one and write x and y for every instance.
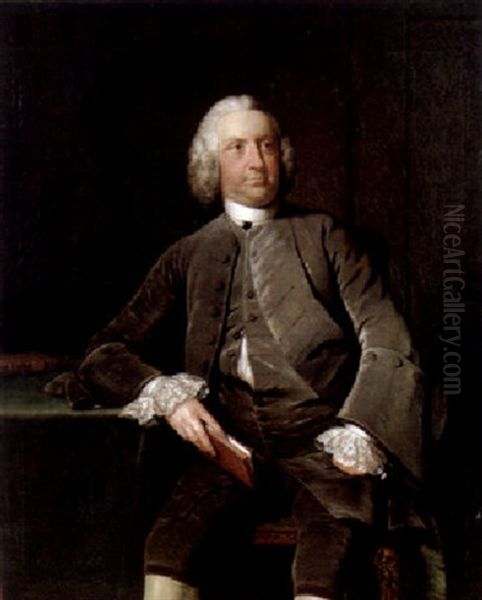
(387, 566)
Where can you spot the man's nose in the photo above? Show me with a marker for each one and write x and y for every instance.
(255, 157)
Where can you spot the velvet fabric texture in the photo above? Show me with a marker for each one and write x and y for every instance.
(209, 513)
(340, 340)
(348, 315)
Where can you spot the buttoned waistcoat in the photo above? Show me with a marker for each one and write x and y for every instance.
(350, 311)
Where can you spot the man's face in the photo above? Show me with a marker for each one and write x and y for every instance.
(248, 158)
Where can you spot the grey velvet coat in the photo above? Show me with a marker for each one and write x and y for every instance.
(349, 315)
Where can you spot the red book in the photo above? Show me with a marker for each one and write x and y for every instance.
(28, 362)
(234, 457)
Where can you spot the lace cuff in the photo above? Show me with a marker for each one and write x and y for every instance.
(353, 447)
(161, 395)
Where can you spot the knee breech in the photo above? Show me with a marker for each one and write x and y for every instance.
(322, 546)
(207, 504)
(202, 508)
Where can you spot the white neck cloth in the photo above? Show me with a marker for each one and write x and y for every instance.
(239, 213)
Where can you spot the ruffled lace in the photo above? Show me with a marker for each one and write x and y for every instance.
(354, 448)
(161, 395)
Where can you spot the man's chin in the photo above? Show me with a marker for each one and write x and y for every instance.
(261, 200)
(255, 203)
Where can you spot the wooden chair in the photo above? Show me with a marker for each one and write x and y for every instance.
(387, 564)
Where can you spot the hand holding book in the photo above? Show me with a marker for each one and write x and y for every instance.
(192, 422)
(196, 425)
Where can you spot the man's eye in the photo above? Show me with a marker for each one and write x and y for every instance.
(268, 145)
(236, 146)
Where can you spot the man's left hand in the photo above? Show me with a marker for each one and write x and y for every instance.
(348, 470)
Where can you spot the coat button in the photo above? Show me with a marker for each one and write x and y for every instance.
(215, 311)
(250, 295)
(220, 286)
(252, 318)
(225, 259)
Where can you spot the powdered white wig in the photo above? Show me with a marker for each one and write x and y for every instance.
(203, 168)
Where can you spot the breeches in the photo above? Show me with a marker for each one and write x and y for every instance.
(209, 509)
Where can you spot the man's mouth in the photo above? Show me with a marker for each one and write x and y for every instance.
(257, 181)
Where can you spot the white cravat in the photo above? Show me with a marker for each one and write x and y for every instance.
(239, 213)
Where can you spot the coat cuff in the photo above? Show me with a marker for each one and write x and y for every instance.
(386, 400)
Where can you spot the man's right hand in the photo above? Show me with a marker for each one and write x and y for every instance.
(193, 423)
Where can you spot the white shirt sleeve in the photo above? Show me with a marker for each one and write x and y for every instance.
(160, 396)
(353, 447)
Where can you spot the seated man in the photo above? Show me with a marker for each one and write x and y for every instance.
(292, 346)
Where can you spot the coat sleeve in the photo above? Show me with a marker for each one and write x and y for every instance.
(387, 395)
(114, 369)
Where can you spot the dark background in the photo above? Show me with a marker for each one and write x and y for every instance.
(382, 102)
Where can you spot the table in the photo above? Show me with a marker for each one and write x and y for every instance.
(77, 496)
(80, 491)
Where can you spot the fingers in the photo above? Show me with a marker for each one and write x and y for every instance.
(348, 470)
(212, 426)
(192, 422)
(196, 434)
